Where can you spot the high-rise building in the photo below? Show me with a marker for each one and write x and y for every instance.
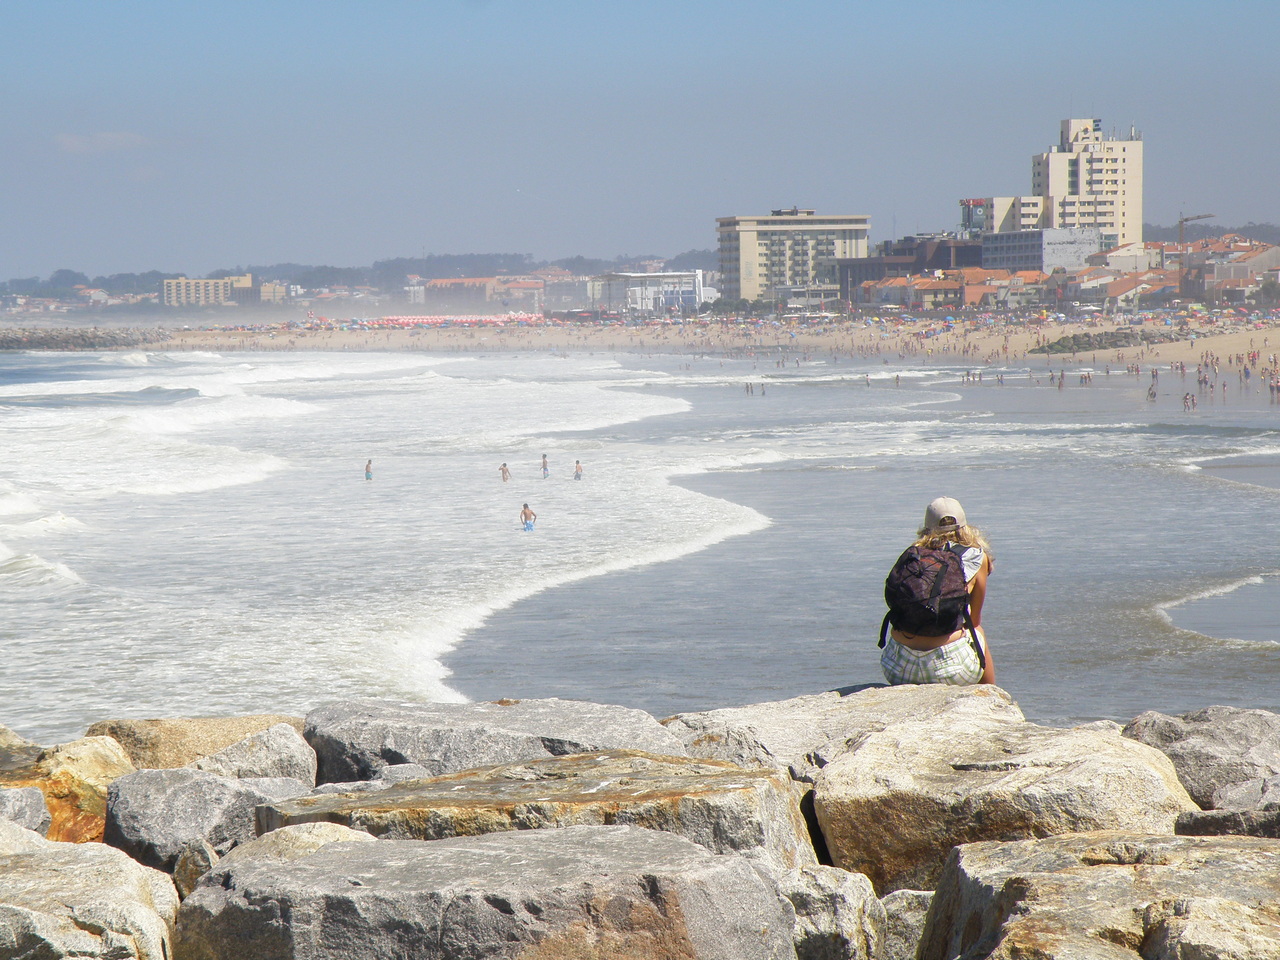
(788, 250)
(1087, 180)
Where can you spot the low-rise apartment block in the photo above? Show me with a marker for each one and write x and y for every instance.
(185, 292)
(787, 250)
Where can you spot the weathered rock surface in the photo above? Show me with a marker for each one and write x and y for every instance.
(278, 751)
(161, 744)
(803, 734)
(905, 912)
(284, 845)
(80, 900)
(152, 813)
(717, 804)
(895, 805)
(195, 858)
(837, 914)
(1245, 823)
(353, 739)
(570, 894)
(199, 863)
(1213, 748)
(396, 773)
(74, 778)
(1109, 896)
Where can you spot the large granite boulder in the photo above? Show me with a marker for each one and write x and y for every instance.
(151, 814)
(580, 893)
(719, 805)
(905, 912)
(80, 900)
(16, 751)
(803, 734)
(1108, 896)
(837, 914)
(1258, 794)
(353, 739)
(176, 742)
(1213, 748)
(26, 807)
(278, 751)
(74, 778)
(895, 805)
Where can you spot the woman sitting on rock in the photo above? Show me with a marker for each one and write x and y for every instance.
(935, 593)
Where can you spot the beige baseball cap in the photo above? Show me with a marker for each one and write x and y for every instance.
(944, 515)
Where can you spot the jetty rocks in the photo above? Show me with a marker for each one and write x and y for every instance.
(81, 338)
(868, 823)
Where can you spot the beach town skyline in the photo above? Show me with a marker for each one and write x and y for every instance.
(366, 140)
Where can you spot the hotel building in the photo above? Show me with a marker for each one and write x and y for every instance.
(184, 292)
(1086, 181)
(789, 250)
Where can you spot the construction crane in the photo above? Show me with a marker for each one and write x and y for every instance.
(1182, 225)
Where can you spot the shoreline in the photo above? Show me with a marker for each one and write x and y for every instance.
(992, 345)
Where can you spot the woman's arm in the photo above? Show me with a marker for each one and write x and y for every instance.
(978, 590)
(977, 594)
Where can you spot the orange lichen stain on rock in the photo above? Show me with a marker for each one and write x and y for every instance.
(74, 779)
(504, 702)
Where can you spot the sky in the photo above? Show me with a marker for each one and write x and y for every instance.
(184, 137)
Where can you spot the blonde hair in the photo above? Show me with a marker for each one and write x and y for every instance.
(966, 536)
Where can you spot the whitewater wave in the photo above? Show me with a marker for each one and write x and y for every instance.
(27, 570)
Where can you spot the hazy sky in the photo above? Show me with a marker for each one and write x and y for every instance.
(188, 137)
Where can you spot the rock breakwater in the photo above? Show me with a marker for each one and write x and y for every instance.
(951, 829)
(81, 338)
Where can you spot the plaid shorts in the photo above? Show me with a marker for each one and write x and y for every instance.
(955, 663)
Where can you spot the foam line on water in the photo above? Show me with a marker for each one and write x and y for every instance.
(1209, 592)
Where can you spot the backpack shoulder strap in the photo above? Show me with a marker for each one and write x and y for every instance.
(973, 639)
(884, 630)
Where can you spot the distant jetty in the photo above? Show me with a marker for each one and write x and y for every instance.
(91, 338)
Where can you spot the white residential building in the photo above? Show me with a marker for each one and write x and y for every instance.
(648, 293)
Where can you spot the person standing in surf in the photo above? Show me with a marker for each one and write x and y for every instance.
(506, 474)
(368, 470)
(527, 517)
(546, 469)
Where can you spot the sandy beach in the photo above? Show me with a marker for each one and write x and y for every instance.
(990, 344)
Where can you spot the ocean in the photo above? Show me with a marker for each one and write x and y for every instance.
(192, 534)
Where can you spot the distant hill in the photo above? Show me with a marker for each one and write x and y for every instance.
(1206, 229)
(386, 275)
(695, 260)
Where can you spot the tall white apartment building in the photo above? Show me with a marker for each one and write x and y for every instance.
(1087, 180)
(788, 249)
